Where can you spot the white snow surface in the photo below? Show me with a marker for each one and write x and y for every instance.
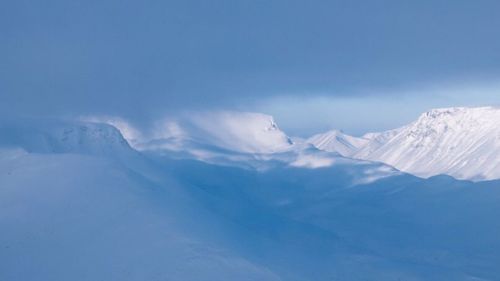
(460, 142)
(78, 203)
(74, 217)
(337, 141)
(56, 136)
(245, 132)
(376, 140)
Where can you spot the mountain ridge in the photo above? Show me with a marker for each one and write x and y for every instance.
(463, 142)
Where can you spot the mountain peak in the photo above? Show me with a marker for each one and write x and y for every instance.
(448, 112)
(337, 141)
(246, 132)
(477, 120)
(55, 136)
(459, 141)
(463, 142)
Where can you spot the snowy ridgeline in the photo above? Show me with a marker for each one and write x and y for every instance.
(460, 142)
(56, 136)
(78, 203)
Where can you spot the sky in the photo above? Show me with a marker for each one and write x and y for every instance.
(314, 65)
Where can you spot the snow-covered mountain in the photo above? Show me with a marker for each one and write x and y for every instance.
(244, 132)
(72, 208)
(461, 142)
(337, 141)
(375, 141)
(243, 139)
(78, 203)
(57, 136)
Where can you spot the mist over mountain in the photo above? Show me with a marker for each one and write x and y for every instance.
(75, 193)
(283, 140)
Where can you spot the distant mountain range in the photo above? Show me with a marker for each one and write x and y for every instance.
(460, 142)
(229, 196)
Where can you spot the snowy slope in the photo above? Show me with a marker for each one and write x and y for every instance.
(461, 142)
(376, 140)
(244, 139)
(76, 217)
(351, 229)
(244, 132)
(241, 131)
(55, 136)
(337, 141)
(87, 213)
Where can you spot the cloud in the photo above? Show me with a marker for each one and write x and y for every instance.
(376, 109)
(144, 61)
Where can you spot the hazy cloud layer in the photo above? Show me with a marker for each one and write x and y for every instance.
(142, 59)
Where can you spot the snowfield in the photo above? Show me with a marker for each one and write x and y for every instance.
(237, 199)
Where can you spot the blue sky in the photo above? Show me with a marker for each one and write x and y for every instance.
(354, 65)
